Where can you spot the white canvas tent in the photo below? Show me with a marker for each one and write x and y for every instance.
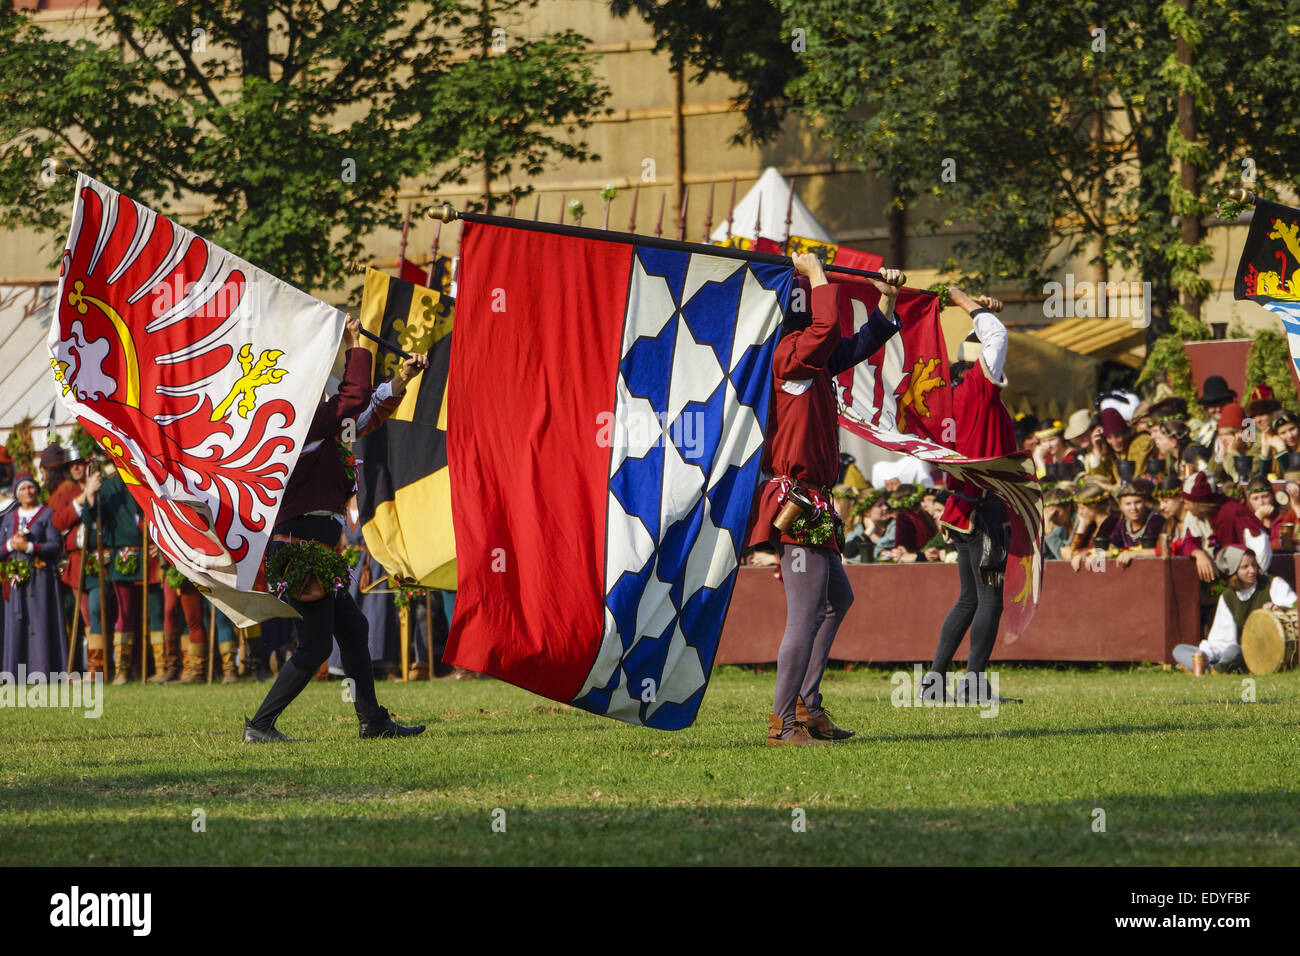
(27, 386)
(775, 193)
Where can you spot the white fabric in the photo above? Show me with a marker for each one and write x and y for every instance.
(1126, 407)
(993, 337)
(774, 191)
(905, 468)
(1223, 632)
(797, 386)
(263, 316)
(1259, 544)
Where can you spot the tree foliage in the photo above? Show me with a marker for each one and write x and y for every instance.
(292, 123)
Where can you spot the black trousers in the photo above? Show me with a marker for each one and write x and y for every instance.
(978, 608)
(333, 618)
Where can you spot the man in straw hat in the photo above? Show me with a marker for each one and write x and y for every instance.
(795, 509)
(1249, 590)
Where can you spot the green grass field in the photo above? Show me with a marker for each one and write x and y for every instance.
(1185, 771)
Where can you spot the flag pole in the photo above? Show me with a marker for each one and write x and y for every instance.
(631, 222)
(789, 216)
(731, 210)
(659, 223)
(681, 219)
(406, 230)
(433, 255)
(1238, 194)
(708, 214)
(448, 213)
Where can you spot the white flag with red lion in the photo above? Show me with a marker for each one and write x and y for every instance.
(198, 375)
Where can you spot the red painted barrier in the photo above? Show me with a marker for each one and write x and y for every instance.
(1135, 614)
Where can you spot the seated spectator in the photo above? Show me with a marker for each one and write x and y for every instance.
(1233, 463)
(873, 522)
(1171, 438)
(1078, 430)
(1261, 408)
(1025, 425)
(1262, 504)
(1051, 448)
(1282, 533)
(1249, 590)
(913, 527)
(1196, 460)
(1283, 436)
(1184, 534)
(1058, 517)
(1137, 532)
(1094, 523)
(1231, 522)
(1215, 397)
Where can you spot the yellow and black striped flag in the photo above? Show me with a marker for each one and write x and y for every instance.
(403, 491)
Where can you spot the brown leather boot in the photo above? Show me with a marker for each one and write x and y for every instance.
(95, 655)
(124, 660)
(171, 658)
(800, 737)
(159, 649)
(823, 728)
(229, 669)
(196, 661)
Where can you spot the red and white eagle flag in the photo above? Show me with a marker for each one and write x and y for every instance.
(198, 375)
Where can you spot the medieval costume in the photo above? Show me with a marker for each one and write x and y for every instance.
(30, 546)
(1222, 645)
(984, 430)
(380, 610)
(801, 452)
(310, 528)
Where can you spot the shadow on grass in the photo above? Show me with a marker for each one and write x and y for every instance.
(1247, 828)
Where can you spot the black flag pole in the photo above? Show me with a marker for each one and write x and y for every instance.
(445, 212)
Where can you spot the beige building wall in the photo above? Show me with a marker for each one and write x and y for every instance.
(850, 203)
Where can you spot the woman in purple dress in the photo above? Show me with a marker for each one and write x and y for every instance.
(30, 546)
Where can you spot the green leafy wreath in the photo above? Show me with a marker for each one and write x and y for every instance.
(818, 532)
(406, 592)
(175, 580)
(288, 569)
(126, 562)
(16, 571)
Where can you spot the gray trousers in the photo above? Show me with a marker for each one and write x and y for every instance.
(1230, 662)
(817, 596)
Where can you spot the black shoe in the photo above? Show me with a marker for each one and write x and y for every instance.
(254, 736)
(933, 689)
(389, 728)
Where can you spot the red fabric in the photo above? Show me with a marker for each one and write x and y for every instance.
(529, 474)
(319, 481)
(1230, 520)
(912, 529)
(984, 430)
(924, 401)
(802, 438)
(857, 259)
(412, 273)
(61, 504)
(768, 245)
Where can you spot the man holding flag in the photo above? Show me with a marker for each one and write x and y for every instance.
(802, 453)
(302, 557)
(976, 520)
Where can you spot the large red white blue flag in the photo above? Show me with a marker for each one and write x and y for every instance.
(605, 419)
(197, 374)
(900, 399)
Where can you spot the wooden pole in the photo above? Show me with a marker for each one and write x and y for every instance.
(789, 217)
(76, 607)
(405, 627)
(636, 195)
(401, 246)
(681, 216)
(679, 134)
(146, 648)
(103, 582)
(537, 208)
(564, 197)
(514, 200)
(428, 629)
(731, 210)
(433, 254)
(659, 223)
(708, 214)
(212, 638)
(758, 222)
(605, 222)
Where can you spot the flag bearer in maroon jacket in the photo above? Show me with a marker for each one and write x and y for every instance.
(312, 513)
(802, 454)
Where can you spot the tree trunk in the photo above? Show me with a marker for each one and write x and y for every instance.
(1191, 224)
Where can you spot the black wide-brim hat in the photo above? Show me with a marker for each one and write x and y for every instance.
(1216, 392)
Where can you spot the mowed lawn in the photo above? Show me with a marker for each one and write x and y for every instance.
(1184, 770)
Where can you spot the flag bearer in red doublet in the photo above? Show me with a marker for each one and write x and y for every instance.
(802, 454)
(984, 430)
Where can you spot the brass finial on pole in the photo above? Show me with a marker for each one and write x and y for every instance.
(443, 212)
(1242, 195)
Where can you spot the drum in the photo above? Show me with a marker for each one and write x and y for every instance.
(1268, 641)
